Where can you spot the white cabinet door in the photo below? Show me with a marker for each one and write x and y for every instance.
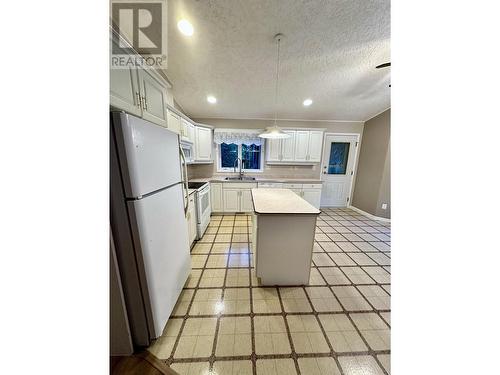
(124, 90)
(246, 200)
(288, 146)
(191, 132)
(273, 149)
(315, 145)
(184, 129)
(301, 145)
(313, 196)
(216, 195)
(203, 144)
(174, 122)
(231, 200)
(154, 98)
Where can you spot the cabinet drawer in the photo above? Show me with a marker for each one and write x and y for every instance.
(239, 185)
(270, 185)
(292, 186)
(312, 186)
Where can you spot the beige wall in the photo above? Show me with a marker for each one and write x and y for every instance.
(292, 171)
(373, 180)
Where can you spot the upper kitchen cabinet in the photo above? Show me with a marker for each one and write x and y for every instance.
(281, 150)
(141, 92)
(187, 131)
(302, 147)
(273, 149)
(124, 90)
(315, 146)
(153, 97)
(174, 122)
(288, 146)
(203, 144)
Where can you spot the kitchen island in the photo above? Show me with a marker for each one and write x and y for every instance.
(282, 236)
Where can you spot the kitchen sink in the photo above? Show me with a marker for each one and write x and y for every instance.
(244, 178)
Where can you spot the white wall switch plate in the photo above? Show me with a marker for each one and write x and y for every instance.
(384, 206)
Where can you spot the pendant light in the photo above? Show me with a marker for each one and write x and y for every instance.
(274, 132)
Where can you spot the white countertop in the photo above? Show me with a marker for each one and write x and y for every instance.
(280, 201)
(262, 179)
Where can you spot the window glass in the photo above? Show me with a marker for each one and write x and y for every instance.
(250, 156)
(228, 155)
(339, 152)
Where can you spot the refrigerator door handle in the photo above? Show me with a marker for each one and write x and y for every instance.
(185, 180)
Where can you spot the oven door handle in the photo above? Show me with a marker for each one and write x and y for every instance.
(185, 180)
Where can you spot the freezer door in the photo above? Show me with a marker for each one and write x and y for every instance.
(149, 155)
(160, 235)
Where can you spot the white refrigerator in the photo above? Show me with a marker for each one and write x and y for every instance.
(149, 201)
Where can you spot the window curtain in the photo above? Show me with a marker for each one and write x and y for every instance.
(238, 136)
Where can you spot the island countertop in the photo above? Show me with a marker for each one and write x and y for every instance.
(280, 201)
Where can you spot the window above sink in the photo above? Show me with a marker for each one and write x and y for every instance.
(242, 144)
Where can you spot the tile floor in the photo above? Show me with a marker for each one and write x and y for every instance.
(225, 323)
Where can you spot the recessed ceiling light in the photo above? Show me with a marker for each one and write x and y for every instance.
(307, 102)
(185, 27)
(211, 99)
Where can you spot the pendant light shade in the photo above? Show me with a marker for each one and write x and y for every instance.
(274, 132)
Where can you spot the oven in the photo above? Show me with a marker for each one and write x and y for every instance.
(203, 205)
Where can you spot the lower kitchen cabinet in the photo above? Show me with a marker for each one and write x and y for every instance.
(237, 197)
(246, 200)
(313, 196)
(231, 200)
(310, 192)
(217, 198)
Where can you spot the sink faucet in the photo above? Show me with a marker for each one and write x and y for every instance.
(234, 167)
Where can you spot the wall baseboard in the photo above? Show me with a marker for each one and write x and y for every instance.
(369, 215)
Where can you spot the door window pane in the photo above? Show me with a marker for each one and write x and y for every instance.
(250, 154)
(339, 152)
(228, 154)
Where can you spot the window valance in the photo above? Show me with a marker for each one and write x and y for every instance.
(238, 136)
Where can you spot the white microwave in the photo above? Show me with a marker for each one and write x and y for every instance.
(187, 148)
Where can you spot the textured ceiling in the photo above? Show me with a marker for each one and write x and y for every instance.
(329, 54)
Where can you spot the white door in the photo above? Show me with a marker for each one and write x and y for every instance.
(124, 90)
(273, 149)
(231, 200)
(301, 145)
(315, 145)
(288, 146)
(153, 98)
(203, 144)
(246, 200)
(337, 169)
